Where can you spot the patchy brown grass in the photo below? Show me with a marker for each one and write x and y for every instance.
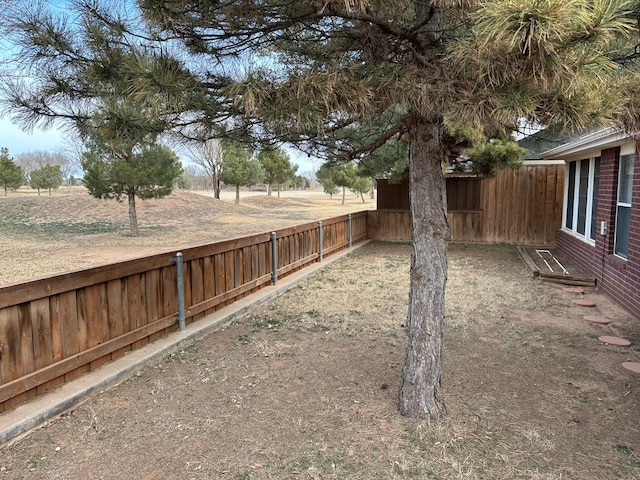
(41, 235)
(305, 387)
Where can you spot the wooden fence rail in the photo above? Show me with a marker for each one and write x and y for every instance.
(54, 329)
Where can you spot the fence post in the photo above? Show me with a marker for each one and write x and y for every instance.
(350, 237)
(274, 259)
(180, 280)
(320, 241)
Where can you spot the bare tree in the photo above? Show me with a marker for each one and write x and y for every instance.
(37, 159)
(209, 156)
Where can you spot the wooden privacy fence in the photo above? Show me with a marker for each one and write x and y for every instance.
(54, 329)
(517, 206)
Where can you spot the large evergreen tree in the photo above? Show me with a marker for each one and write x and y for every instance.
(149, 172)
(11, 174)
(406, 67)
(342, 78)
(84, 69)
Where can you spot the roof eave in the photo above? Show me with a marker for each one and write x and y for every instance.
(599, 139)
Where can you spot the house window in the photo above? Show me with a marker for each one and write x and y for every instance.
(623, 206)
(581, 197)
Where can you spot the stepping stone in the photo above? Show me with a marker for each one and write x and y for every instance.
(584, 302)
(573, 290)
(633, 366)
(621, 342)
(597, 319)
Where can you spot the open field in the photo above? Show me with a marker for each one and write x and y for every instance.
(304, 387)
(40, 235)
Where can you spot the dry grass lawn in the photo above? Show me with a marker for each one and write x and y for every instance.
(305, 387)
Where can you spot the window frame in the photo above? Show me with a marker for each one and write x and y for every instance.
(623, 204)
(592, 197)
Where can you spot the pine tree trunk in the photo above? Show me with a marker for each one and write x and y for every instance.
(372, 192)
(420, 389)
(269, 189)
(343, 194)
(133, 216)
(237, 193)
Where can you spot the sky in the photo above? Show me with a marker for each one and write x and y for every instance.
(18, 141)
(54, 140)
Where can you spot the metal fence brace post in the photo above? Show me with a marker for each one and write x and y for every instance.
(350, 230)
(320, 241)
(274, 259)
(180, 280)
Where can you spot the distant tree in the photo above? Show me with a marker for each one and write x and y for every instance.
(182, 183)
(208, 154)
(323, 175)
(150, 172)
(360, 186)
(46, 177)
(299, 182)
(240, 167)
(11, 175)
(196, 176)
(277, 166)
(343, 176)
(30, 161)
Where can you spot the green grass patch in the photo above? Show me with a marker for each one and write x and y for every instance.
(22, 226)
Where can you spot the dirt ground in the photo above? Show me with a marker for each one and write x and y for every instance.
(305, 387)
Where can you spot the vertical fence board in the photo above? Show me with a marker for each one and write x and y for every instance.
(136, 306)
(116, 316)
(41, 327)
(197, 284)
(91, 313)
(220, 276)
(229, 270)
(209, 280)
(153, 299)
(9, 342)
(56, 329)
(69, 322)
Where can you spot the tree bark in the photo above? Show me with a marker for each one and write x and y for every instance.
(216, 184)
(420, 389)
(133, 216)
(237, 193)
(344, 189)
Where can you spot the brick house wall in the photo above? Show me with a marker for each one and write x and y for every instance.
(616, 277)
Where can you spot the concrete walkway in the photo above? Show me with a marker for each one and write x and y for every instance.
(30, 415)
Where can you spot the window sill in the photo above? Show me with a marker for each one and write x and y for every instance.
(577, 236)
